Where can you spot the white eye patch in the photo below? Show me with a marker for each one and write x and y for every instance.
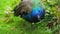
(38, 17)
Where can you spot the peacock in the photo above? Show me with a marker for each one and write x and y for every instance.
(31, 11)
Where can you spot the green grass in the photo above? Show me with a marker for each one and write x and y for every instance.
(9, 24)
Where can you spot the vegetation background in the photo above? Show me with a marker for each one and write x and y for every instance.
(9, 24)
